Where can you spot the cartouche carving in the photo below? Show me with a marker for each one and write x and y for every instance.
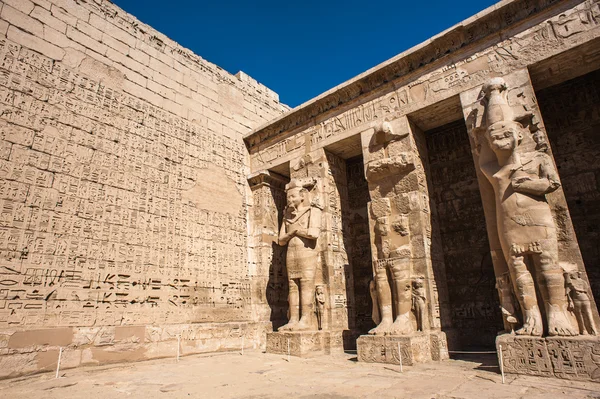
(523, 217)
(300, 230)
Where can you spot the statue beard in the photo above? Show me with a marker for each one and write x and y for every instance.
(292, 209)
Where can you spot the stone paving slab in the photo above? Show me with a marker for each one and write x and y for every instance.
(257, 375)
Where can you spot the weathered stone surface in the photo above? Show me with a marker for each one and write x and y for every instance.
(415, 348)
(573, 358)
(139, 218)
(122, 189)
(305, 343)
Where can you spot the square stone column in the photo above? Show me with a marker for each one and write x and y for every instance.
(267, 259)
(400, 227)
(536, 256)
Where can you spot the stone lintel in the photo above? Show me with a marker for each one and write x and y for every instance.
(447, 45)
(266, 178)
(305, 343)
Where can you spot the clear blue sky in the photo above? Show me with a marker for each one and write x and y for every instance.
(300, 48)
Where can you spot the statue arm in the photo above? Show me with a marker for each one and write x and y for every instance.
(547, 182)
(314, 225)
(284, 236)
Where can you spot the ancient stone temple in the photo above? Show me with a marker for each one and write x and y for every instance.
(445, 200)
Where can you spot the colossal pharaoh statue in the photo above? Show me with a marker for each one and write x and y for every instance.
(300, 230)
(526, 229)
(393, 260)
(391, 288)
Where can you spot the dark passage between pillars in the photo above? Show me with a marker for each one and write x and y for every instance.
(454, 193)
(571, 113)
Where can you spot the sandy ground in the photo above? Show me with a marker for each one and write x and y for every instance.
(258, 375)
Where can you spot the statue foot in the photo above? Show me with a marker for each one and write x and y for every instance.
(383, 327)
(303, 325)
(289, 326)
(402, 326)
(532, 325)
(559, 323)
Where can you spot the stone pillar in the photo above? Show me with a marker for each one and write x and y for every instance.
(405, 294)
(541, 279)
(267, 259)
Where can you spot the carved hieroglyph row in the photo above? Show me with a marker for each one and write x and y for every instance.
(544, 40)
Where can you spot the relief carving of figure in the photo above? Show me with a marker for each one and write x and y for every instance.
(393, 261)
(523, 217)
(300, 230)
(579, 302)
(320, 303)
(419, 302)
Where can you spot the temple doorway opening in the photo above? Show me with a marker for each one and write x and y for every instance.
(571, 114)
(460, 241)
(351, 224)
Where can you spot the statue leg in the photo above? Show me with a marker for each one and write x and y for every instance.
(384, 295)
(307, 300)
(552, 287)
(588, 318)
(525, 292)
(402, 297)
(294, 302)
(579, 309)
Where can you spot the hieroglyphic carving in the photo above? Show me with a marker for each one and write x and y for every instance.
(574, 358)
(525, 48)
(93, 225)
(525, 355)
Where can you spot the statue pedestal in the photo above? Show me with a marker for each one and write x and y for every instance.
(420, 347)
(571, 358)
(305, 343)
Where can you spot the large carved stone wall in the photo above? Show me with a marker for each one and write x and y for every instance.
(123, 190)
(571, 112)
(454, 192)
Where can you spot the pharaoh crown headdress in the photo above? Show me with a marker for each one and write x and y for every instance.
(306, 182)
(494, 95)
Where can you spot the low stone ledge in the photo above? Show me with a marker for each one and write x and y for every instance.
(305, 343)
(420, 347)
(570, 358)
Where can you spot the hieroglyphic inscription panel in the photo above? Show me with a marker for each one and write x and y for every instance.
(524, 47)
(119, 205)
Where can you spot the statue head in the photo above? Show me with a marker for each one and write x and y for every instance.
(574, 275)
(296, 197)
(418, 283)
(297, 192)
(540, 140)
(504, 136)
